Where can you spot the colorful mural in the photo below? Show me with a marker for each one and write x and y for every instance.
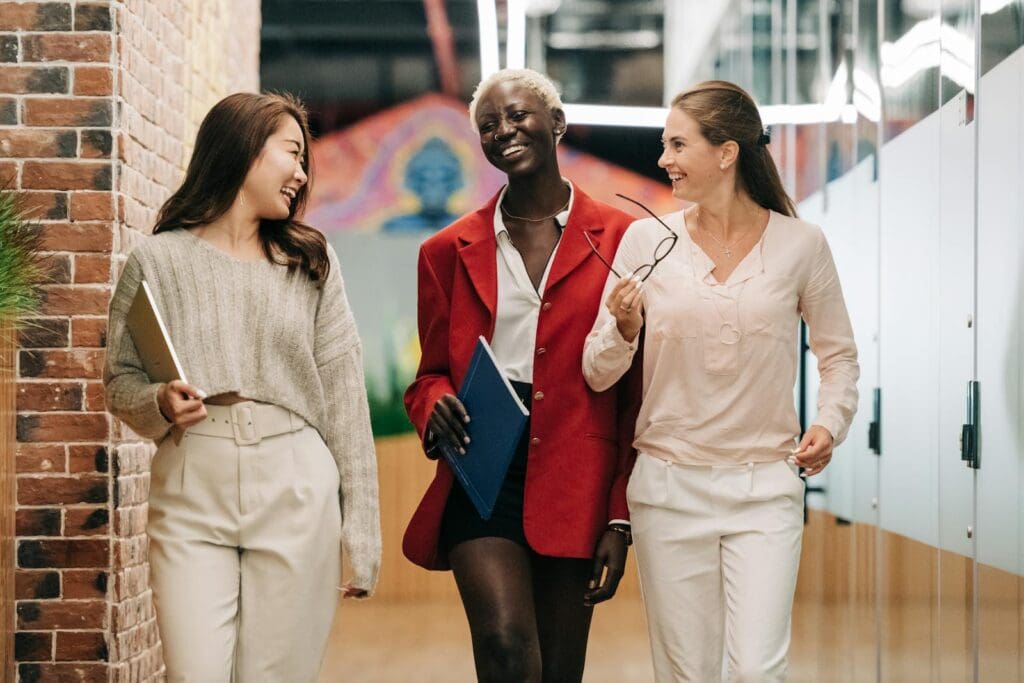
(384, 185)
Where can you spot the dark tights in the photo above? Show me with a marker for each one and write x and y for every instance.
(525, 612)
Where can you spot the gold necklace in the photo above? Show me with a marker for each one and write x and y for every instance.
(723, 247)
(532, 220)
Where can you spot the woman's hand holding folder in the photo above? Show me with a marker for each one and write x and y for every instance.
(181, 404)
(447, 423)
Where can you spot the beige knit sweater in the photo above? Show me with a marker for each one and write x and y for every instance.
(250, 327)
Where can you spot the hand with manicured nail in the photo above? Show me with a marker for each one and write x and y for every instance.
(626, 303)
(814, 452)
(181, 404)
(447, 423)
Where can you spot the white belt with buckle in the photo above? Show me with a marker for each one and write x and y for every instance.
(247, 422)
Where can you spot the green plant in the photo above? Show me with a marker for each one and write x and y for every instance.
(20, 268)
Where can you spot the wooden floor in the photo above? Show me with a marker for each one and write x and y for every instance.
(429, 643)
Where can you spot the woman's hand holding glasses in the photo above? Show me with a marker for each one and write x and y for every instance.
(626, 304)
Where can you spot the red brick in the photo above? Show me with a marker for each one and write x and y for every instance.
(67, 111)
(61, 364)
(78, 614)
(8, 108)
(95, 397)
(89, 458)
(75, 300)
(8, 173)
(81, 646)
(94, 80)
(35, 16)
(56, 269)
(84, 584)
(33, 646)
(32, 457)
(25, 142)
(22, 80)
(66, 175)
(86, 521)
(63, 673)
(61, 554)
(90, 237)
(48, 427)
(36, 585)
(91, 206)
(48, 396)
(66, 47)
(89, 332)
(96, 144)
(92, 269)
(43, 333)
(38, 522)
(53, 490)
(44, 205)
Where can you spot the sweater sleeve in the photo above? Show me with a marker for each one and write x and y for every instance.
(130, 395)
(339, 360)
(831, 340)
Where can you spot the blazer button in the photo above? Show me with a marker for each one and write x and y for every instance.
(541, 351)
(534, 441)
(546, 306)
(539, 396)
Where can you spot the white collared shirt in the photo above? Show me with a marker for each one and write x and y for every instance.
(518, 308)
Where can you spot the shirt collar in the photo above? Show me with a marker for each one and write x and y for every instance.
(562, 218)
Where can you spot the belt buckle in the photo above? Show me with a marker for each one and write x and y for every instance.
(243, 424)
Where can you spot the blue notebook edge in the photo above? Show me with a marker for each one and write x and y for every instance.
(452, 457)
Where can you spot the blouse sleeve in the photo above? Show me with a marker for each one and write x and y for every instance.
(831, 339)
(339, 360)
(606, 354)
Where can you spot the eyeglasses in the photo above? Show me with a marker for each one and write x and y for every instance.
(663, 249)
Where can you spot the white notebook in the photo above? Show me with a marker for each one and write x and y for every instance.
(151, 338)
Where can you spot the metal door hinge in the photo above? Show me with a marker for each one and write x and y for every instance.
(970, 432)
(875, 428)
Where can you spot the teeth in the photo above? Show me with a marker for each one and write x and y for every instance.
(288, 192)
(512, 150)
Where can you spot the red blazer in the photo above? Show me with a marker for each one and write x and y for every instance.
(580, 441)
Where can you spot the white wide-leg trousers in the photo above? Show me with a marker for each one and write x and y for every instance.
(244, 553)
(718, 549)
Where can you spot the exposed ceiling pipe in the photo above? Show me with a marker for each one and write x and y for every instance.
(443, 40)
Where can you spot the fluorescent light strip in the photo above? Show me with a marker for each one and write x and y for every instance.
(487, 15)
(654, 117)
(515, 34)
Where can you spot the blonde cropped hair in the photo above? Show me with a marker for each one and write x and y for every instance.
(540, 84)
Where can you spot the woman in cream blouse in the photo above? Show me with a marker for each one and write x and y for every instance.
(716, 496)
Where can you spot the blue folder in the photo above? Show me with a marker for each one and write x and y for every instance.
(496, 420)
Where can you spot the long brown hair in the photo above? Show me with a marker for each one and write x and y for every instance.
(230, 139)
(724, 111)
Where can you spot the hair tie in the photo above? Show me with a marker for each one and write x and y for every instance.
(764, 138)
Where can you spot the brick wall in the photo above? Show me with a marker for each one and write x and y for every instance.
(99, 102)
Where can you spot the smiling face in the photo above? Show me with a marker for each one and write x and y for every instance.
(694, 165)
(277, 175)
(517, 131)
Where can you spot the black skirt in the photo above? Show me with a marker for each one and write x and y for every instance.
(461, 522)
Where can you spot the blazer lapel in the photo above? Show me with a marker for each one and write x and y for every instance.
(573, 248)
(478, 253)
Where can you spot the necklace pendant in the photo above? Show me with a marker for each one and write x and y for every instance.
(728, 253)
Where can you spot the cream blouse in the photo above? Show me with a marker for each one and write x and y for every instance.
(720, 359)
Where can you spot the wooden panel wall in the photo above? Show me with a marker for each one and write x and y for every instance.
(7, 482)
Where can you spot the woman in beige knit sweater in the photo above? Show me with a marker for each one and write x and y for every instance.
(276, 465)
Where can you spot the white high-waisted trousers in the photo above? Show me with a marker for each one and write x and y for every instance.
(244, 547)
(718, 548)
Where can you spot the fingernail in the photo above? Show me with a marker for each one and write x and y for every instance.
(466, 419)
(795, 451)
(466, 439)
(592, 585)
(462, 451)
(200, 393)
